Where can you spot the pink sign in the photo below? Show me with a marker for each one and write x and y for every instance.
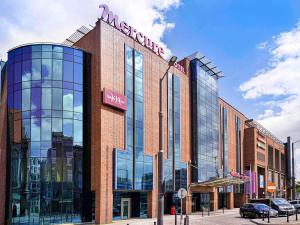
(113, 20)
(179, 67)
(114, 99)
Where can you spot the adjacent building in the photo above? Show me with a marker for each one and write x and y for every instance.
(80, 132)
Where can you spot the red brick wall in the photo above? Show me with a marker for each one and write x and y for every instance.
(232, 113)
(106, 44)
(3, 152)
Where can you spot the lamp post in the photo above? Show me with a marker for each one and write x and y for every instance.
(293, 174)
(160, 177)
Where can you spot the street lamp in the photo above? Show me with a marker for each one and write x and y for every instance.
(293, 166)
(160, 177)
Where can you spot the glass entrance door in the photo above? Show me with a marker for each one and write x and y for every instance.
(125, 208)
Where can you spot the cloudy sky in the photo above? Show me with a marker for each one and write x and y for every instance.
(255, 43)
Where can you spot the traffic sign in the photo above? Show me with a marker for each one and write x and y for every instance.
(181, 193)
(271, 187)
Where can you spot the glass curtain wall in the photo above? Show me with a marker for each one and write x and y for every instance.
(224, 119)
(133, 169)
(205, 123)
(45, 106)
(175, 171)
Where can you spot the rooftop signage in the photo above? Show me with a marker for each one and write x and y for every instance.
(112, 19)
(114, 99)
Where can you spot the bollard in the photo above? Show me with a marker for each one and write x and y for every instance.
(175, 218)
(187, 220)
(184, 220)
(296, 214)
(269, 216)
(202, 212)
(154, 223)
(287, 217)
(263, 216)
(208, 211)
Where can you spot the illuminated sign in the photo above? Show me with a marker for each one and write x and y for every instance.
(112, 19)
(114, 99)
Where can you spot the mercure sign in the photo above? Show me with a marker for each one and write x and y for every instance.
(114, 99)
(113, 20)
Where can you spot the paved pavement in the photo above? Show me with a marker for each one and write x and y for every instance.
(230, 217)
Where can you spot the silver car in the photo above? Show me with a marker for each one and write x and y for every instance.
(296, 204)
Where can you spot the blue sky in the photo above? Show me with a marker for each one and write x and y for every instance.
(228, 32)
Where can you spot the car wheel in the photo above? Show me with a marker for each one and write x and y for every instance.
(242, 215)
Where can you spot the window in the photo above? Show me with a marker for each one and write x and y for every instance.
(47, 132)
(270, 157)
(134, 172)
(205, 124)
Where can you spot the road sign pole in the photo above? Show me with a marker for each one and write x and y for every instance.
(181, 211)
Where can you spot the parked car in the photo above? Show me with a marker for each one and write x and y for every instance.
(257, 210)
(279, 204)
(282, 206)
(296, 204)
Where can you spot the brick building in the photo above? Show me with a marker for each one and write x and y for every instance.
(80, 132)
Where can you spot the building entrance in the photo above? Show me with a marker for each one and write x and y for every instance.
(200, 202)
(125, 208)
(129, 205)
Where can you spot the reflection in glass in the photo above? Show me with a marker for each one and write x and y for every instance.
(46, 69)
(46, 149)
(57, 69)
(36, 69)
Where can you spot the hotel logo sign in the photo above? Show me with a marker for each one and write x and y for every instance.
(114, 99)
(112, 19)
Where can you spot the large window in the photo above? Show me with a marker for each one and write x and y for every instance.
(45, 114)
(175, 171)
(205, 123)
(277, 159)
(270, 157)
(238, 136)
(134, 169)
(224, 124)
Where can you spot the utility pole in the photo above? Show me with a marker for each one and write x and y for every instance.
(160, 157)
(293, 173)
(250, 188)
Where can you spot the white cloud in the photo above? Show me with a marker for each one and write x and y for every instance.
(55, 20)
(267, 113)
(280, 80)
(262, 45)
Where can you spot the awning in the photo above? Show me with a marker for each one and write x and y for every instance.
(219, 182)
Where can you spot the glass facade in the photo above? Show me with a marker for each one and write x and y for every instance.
(205, 123)
(270, 157)
(224, 130)
(45, 106)
(175, 171)
(133, 169)
(238, 136)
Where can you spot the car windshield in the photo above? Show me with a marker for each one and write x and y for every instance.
(280, 201)
(261, 207)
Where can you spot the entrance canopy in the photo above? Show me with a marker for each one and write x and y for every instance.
(219, 182)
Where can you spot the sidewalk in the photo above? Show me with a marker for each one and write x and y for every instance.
(195, 218)
(278, 221)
